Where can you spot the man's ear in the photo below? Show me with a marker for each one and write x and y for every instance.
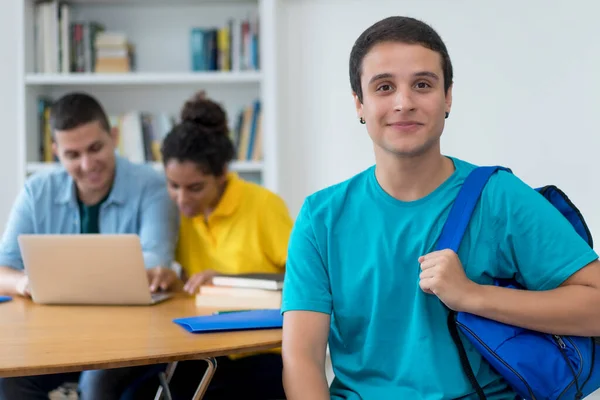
(114, 134)
(449, 99)
(358, 105)
(54, 148)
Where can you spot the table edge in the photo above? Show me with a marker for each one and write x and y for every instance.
(132, 362)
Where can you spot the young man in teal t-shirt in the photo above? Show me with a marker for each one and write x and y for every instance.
(362, 273)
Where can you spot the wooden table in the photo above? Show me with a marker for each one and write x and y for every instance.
(42, 339)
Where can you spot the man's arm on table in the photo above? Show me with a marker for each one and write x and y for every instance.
(159, 230)
(304, 348)
(13, 280)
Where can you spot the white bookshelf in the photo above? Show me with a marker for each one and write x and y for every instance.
(241, 167)
(143, 78)
(163, 79)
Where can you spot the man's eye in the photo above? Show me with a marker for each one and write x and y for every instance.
(384, 88)
(96, 148)
(423, 85)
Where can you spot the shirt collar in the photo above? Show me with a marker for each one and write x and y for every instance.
(231, 197)
(67, 194)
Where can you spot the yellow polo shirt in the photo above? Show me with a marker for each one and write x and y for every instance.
(248, 232)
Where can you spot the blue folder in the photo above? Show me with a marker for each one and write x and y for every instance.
(244, 320)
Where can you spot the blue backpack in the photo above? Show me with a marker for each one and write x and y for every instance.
(536, 365)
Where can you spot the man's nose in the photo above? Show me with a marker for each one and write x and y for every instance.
(404, 99)
(86, 163)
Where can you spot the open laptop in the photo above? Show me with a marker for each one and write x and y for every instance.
(96, 269)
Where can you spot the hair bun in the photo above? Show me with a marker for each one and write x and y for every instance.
(205, 112)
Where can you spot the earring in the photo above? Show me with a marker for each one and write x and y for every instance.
(362, 121)
(447, 114)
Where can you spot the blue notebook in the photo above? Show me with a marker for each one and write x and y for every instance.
(244, 320)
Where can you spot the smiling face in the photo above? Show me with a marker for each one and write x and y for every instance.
(88, 154)
(403, 102)
(194, 191)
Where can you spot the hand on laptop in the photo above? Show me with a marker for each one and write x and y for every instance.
(201, 278)
(161, 278)
(23, 286)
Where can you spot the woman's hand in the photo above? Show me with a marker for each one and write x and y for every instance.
(201, 278)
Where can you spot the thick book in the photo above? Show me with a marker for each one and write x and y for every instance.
(256, 281)
(234, 321)
(227, 297)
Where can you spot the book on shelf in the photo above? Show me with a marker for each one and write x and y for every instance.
(233, 47)
(230, 297)
(142, 133)
(247, 133)
(46, 153)
(63, 45)
(113, 53)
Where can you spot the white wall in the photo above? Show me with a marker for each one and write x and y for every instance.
(9, 180)
(526, 90)
(525, 82)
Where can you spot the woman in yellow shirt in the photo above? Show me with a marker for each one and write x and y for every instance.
(227, 226)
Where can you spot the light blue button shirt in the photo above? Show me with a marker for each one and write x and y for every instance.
(138, 203)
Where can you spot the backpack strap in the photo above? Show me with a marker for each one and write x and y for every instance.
(460, 213)
(450, 238)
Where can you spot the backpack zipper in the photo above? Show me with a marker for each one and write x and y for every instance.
(532, 397)
(562, 345)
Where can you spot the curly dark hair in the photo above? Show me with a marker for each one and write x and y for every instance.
(201, 137)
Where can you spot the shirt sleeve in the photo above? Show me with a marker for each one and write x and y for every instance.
(159, 225)
(275, 228)
(538, 243)
(306, 286)
(20, 221)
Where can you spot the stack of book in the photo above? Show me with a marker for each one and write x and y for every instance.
(113, 53)
(245, 291)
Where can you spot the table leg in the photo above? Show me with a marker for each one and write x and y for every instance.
(165, 378)
(208, 375)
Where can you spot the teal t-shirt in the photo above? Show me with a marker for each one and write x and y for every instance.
(354, 252)
(89, 216)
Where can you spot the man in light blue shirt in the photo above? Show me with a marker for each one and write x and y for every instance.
(93, 191)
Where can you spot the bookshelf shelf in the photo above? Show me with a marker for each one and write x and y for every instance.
(143, 78)
(154, 2)
(235, 63)
(237, 166)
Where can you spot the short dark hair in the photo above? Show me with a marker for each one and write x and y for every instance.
(201, 137)
(75, 109)
(397, 29)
